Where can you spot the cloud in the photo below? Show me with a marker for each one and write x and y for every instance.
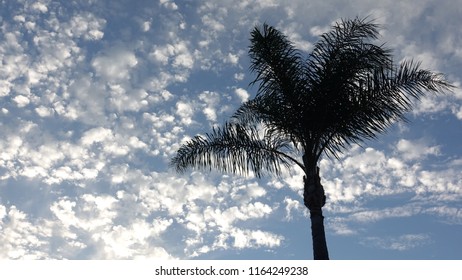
(400, 243)
(339, 226)
(185, 110)
(176, 54)
(169, 4)
(376, 215)
(451, 215)
(85, 25)
(210, 102)
(255, 239)
(130, 242)
(21, 100)
(93, 109)
(242, 94)
(291, 205)
(20, 238)
(40, 7)
(115, 65)
(414, 150)
(92, 222)
(212, 24)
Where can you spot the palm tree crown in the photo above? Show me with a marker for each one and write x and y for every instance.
(345, 91)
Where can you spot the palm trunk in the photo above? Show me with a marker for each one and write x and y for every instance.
(314, 199)
(318, 235)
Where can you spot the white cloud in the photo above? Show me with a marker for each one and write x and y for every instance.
(242, 94)
(21, 100)
(5, 87)
(212, 23)
(124, 99)
(43, 111)
(458, 112)
(451, 215)
(291, 204)
(93, 218)
(39, 6)
(169, 4)
(96, 135)
(130, 242)
(254, 239)
(296, 38)
(414, 150)
(162, 54)
(115, 65)
(370, 161)
(146, 26)
(232, 58)
(20, 238)
(210, 101)
(85, 25)
(400, 243)
(185, 60)
(177, 54)
(186, 111)
(376, 215)
(339, 226)
(445, 181)
(239, 76)
(431, 104)
(111, 144)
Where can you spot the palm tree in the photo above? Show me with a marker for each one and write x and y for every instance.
(345, 91)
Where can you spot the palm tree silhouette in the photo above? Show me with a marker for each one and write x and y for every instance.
(345, 91)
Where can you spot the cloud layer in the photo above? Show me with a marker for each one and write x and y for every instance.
(97, 96)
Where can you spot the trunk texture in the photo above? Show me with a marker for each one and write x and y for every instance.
(314, 199)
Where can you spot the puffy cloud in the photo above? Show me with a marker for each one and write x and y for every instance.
(39, 6)
(211, 100)
(92, 220)
(413, 150)
(255, 239)
(43, 111)
(186, 111)
(242, 94)
(85, 25)
(21, 100)
(212, 24)
(177, 54)
(96, 135)
(291, 204)
(169, 4)
(115, 65)
(20, 238)
(130, 242)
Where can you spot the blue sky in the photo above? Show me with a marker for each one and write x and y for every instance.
(96, 96)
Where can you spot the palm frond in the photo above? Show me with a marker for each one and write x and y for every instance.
(275, 61)
(235, 148)
(375, 101)
(279, 75)
(347, 38)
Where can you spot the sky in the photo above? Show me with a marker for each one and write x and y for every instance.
(96, 96)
